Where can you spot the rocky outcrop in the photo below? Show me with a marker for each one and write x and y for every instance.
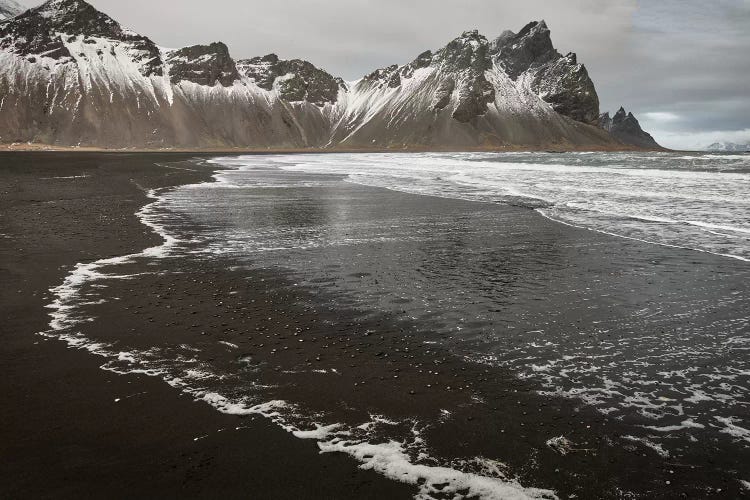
(467, 60)
(558, 80)
(297, 80)
(566, 85)
(71, 75)
(531, 48)
(203, 64)
(625, 128)
(385, 77)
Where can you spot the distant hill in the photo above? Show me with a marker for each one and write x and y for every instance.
(729, 147)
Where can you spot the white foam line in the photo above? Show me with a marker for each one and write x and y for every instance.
(301, 167)
(389, 459)
(687, 424)
(540, 212)
(65, 177)
(733, 429)
(649, 444)
(320, 432)
(84, 273)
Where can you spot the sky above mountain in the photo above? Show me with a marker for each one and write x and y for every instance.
(680, 65)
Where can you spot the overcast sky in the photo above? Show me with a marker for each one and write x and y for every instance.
(682, 66)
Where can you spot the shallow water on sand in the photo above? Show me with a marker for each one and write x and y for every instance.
(650, 327)
(629, 333)
(697, 201)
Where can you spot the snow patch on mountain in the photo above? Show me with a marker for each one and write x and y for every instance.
(73, 75)
(10, 9)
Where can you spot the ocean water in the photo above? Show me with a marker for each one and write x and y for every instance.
(616, 280)
(697, 201)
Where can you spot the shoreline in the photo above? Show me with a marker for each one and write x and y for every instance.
(47, 148)
(276, 290)
(367, 456)
(74, 429)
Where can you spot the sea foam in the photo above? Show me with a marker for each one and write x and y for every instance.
(391, 458)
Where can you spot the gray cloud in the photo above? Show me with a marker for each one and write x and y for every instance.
(687, 58)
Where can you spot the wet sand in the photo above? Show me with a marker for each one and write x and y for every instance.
(70, 437)
(64, 435)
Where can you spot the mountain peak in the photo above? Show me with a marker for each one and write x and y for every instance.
(470, 35)
(296, 80)
(203, 64)
(537, 35)
(623, 116)
(557, 79)
(625, 127)
(71, 17)
(534, 28)
(55, 6)
(518, 52)
(468, 51)
(463, 63)
(47, 31)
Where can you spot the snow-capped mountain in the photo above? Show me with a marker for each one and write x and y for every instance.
(729, 147)
(515, 90)
(625, 128)
(10, 8)
(71, 75)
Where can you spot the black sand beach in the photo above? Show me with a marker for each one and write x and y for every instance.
(63, 434)
(72, 429)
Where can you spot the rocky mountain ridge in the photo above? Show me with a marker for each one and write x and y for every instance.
(72, 75)
(558, 80)
(297, 80)
(625, 127)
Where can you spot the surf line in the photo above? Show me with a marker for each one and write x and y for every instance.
(668, 245)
